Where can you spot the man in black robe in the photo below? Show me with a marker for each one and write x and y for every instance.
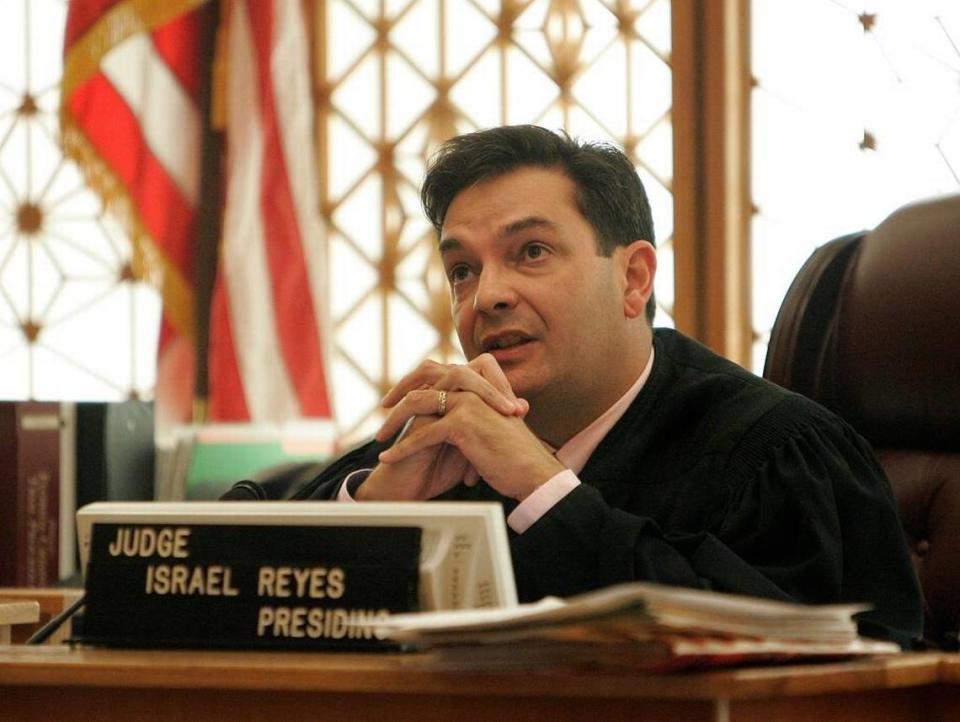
(619, 452)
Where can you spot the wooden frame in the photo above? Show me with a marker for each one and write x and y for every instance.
(712, 200)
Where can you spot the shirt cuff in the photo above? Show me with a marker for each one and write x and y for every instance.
(531, 509)
(349, 486)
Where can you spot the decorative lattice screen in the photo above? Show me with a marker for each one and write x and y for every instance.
(73, 321)
(399, 77)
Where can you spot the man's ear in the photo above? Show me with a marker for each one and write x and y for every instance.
(639, 265)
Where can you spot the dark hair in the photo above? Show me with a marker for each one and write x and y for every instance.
(609, 193)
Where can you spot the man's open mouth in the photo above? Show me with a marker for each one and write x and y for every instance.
(506, 340)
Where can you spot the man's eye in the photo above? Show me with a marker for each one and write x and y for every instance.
(459, 273)
(534, 251)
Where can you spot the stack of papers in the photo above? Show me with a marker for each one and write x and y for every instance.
(639, 625)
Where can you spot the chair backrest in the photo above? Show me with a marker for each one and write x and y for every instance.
(870, 328)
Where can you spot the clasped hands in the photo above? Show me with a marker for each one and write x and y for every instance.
(480, 433)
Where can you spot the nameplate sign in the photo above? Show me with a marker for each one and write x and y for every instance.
(247, 586)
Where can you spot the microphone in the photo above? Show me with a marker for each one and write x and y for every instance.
(245, 490)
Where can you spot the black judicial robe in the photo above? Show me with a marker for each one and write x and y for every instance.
(715, 478)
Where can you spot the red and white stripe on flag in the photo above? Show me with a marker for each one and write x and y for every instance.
(130, 118)
(267, 320)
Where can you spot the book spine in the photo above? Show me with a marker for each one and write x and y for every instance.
(68, 490)
(30, 494)
(9, 502)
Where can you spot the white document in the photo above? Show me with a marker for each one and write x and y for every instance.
(638, 608)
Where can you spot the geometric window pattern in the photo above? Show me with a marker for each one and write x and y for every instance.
(856, 111)
(74, 323)
(400, 76)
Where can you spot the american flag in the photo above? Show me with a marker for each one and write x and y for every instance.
(131, 118)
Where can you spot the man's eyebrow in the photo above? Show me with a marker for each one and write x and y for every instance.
(449, 244)
(452, 244)
(526, 223)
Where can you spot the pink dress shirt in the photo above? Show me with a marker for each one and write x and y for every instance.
(573, 455)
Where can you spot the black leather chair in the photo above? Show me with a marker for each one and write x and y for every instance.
(870, 328)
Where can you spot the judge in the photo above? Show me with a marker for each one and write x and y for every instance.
(619, 451)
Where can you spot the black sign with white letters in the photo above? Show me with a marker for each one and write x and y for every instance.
(213, 585)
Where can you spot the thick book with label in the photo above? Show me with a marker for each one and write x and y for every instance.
(283, 574)
(29, 493)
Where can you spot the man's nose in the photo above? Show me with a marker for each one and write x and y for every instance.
(495, 292)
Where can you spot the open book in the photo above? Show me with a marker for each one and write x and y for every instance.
(639, 625)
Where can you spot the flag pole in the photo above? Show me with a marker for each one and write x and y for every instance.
(211, 198)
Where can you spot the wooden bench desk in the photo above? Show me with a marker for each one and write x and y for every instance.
(57, 682)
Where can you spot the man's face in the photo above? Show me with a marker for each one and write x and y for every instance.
(530, 288)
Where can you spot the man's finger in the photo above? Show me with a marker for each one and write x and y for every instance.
(417, 440)
(425, 375)
(486, 365)
(471, 477)
(427, 402)
(420, 402)
(451, 466)
(465, 378)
